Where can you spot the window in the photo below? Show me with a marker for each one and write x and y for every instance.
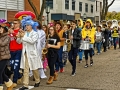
(2, 14)
(73, 4)
(86, 7)
(49, 3)
(80, 6)
(66, 4)
(96, 5)
(91, 8)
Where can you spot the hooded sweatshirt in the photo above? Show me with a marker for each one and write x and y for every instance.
(89, 32)
(80, 26)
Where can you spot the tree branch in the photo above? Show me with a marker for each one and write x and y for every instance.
(42, 9)
(110, 3)
(34, 8)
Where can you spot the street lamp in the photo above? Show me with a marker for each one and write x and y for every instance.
(84, 16)
(48, 11)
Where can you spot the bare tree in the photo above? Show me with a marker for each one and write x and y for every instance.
(105, 8)
(38, 15)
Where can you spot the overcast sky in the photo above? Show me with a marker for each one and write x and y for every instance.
(115, 6)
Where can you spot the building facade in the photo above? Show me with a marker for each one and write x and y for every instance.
(8, 8)
(72, 9)
(98, 10)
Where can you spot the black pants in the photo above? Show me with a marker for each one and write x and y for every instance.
(3, 76)
(88, 52)
(72, 57)
(52, 58)
(105, 49)
(119, 42)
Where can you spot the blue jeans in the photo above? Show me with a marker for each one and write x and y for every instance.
(98, 46)
(59, 63)
(115, 42)
(80, 54)
(72, 57)
(15, 64)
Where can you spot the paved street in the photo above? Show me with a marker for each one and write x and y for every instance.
(103, 75)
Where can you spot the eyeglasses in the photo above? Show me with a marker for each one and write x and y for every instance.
(15, 23)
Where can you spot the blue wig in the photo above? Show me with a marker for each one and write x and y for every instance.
(28, 21)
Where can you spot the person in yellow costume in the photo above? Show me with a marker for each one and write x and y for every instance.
(88, 33)
(115, 36)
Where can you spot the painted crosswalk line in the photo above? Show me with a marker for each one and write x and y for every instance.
(30, 87)
(72, 89)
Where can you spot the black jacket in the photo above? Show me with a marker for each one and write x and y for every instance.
(77, 37)
(106, 37)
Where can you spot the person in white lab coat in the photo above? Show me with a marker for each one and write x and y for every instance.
(40, 45)
(30, 59)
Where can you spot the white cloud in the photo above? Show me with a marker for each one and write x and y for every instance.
(115, 6)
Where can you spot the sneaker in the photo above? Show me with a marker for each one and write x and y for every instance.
(98, 53)
(73, 74)
(91, 62)
(61, 70)
(37, 84)
(86, 66)
(24, 88)
(80, 61)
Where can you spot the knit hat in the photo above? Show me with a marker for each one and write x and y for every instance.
(4, 25)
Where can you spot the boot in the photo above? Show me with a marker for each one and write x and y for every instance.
(19, 81)
(55, 76)
(14, 85)
(1, 87)
(9, 85)
(50, 80)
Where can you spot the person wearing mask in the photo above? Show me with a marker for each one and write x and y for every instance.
(30, 59)
(4, 56)
(53, 46)
(59, 63)
(88, 33)
(15, 51)
(75, 38)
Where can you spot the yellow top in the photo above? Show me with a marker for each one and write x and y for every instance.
(89, 32)
(81, 23)
(60, 33)
(115, 33)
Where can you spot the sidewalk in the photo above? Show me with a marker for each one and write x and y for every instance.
(103, 75)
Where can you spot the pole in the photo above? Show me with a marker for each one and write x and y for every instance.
(47, 18)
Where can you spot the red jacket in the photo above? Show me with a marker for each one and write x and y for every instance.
(14, 46)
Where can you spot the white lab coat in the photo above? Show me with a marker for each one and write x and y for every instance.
(30, 47)
(41, 42)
